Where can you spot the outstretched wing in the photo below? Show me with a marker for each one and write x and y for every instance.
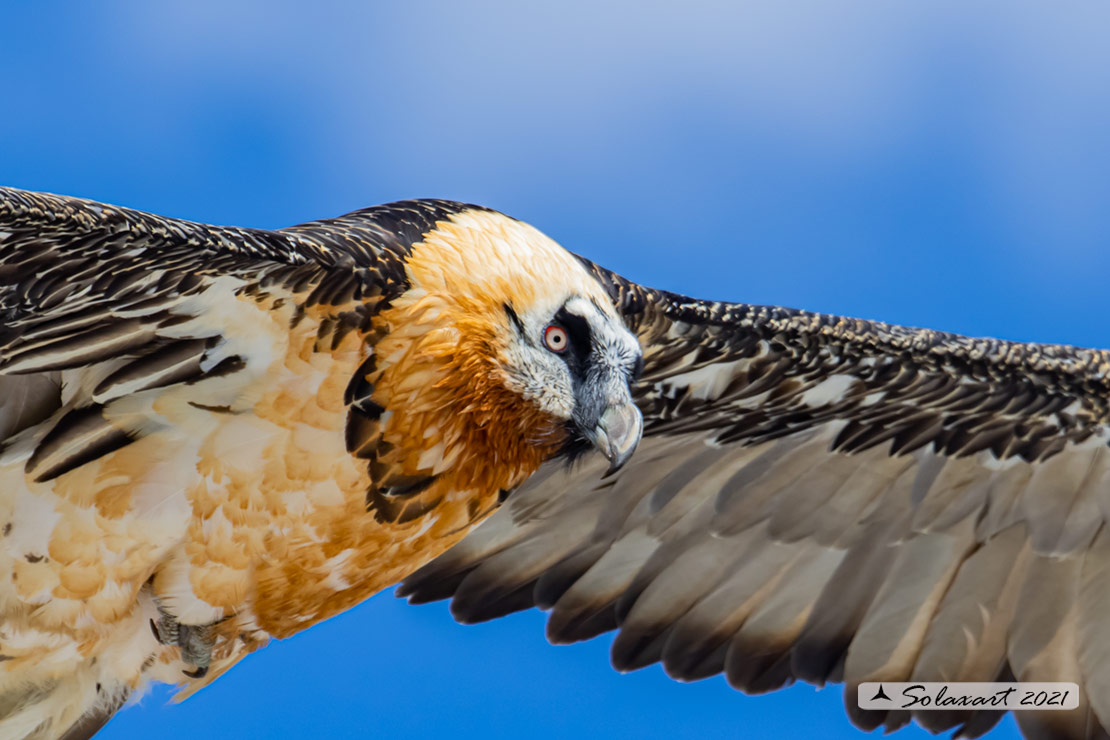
(826, 499)
(98, 303)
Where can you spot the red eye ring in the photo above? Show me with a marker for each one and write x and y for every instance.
(555, 338)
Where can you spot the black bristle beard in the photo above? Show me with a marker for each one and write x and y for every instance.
(576, 445)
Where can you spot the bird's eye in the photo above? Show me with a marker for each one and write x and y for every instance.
(555, 338)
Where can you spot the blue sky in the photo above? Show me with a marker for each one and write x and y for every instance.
(943, 164)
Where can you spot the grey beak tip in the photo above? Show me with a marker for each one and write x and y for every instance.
(618, 433)
(616, 464)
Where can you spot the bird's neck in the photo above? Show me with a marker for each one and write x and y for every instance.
(448, 410)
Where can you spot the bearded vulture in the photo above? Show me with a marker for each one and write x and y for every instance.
(210, 437)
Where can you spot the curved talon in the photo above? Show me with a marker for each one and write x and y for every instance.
(194, 641)
(200, 672)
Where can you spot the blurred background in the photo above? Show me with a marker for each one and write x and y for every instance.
(943, 164)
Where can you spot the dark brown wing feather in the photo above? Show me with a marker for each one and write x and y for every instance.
(825, 499)
(85, 285)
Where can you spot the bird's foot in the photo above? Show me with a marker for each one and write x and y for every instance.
(195, 641)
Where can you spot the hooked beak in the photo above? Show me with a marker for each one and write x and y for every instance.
(617, 433)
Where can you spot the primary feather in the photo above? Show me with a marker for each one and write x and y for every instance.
(214, 436)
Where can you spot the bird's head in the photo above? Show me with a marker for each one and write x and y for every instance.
(572, 357)
(512, 349)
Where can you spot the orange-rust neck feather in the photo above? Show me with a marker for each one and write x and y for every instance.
(449, 412)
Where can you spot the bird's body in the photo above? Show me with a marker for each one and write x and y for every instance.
(252, 452)
(210, 437)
